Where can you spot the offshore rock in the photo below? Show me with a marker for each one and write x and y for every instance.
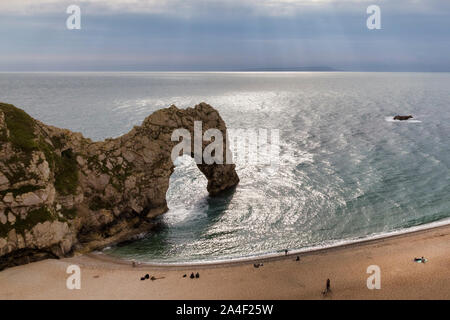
(403, 118)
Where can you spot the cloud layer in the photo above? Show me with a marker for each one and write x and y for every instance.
(224, 35)
(199, 7)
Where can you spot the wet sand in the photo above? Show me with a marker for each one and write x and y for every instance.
(280, 277)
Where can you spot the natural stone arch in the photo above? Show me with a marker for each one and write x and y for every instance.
(148, 150)
(89, 193)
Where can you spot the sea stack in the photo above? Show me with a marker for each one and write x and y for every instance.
(403, 118)
(61, 192)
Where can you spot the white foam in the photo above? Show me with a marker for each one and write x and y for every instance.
(329, 245)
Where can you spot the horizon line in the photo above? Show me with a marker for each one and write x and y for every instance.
(225, 71)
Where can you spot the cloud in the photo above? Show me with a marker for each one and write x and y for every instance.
(226, 34)
(192, 8)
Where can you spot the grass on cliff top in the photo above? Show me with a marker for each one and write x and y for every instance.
(21, 134)
(21, 127)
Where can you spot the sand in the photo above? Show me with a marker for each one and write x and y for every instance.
(279, 278)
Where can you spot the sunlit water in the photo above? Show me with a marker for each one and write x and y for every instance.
(347, 169)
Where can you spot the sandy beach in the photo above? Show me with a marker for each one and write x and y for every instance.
(279, 278)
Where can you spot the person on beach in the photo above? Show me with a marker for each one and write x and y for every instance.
(147, 276)
(327, 287)
(286, 252)
(421, 260)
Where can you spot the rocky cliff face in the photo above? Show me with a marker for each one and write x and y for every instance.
(61, 192)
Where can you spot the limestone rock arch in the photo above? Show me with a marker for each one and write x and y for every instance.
(66, 192)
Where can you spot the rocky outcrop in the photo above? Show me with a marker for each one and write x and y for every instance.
(61, 192)
(403, 118)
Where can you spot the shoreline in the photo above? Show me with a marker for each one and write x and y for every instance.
(346, 243)
(280, 277)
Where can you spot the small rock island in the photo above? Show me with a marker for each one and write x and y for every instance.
(403, 118)
(62, 193)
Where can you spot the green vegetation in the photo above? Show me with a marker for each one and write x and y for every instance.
(22, 135)
(34, 217)
(69, 214)
(98, 203)
(23, 189)
(57, 142)
(21, 127)
(95, 163)
(4, 229)
(17, 164)
(118, 173)
(64, 167)
(3, 135)
(66, 173)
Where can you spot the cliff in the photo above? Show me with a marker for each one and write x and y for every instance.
(61, 192)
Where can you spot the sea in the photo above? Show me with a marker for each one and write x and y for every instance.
(346, 171)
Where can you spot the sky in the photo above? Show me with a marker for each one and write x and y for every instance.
(226, 35)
